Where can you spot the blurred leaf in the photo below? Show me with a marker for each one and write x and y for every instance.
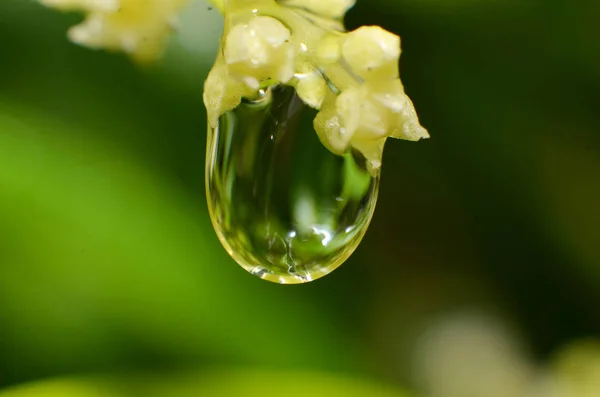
(102, 260)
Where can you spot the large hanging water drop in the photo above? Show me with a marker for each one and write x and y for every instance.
(284, 207)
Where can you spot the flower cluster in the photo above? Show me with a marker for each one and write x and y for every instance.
(351, 78)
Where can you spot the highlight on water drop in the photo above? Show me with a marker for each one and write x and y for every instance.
(299, 111)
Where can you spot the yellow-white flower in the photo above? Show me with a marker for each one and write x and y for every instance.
(254, 52)
(138, 27)
(260, 50)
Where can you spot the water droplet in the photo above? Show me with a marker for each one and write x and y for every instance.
(284, 207)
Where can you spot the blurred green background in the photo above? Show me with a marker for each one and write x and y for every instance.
(479, 277)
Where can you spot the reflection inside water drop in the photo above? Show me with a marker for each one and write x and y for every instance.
(285, 208)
